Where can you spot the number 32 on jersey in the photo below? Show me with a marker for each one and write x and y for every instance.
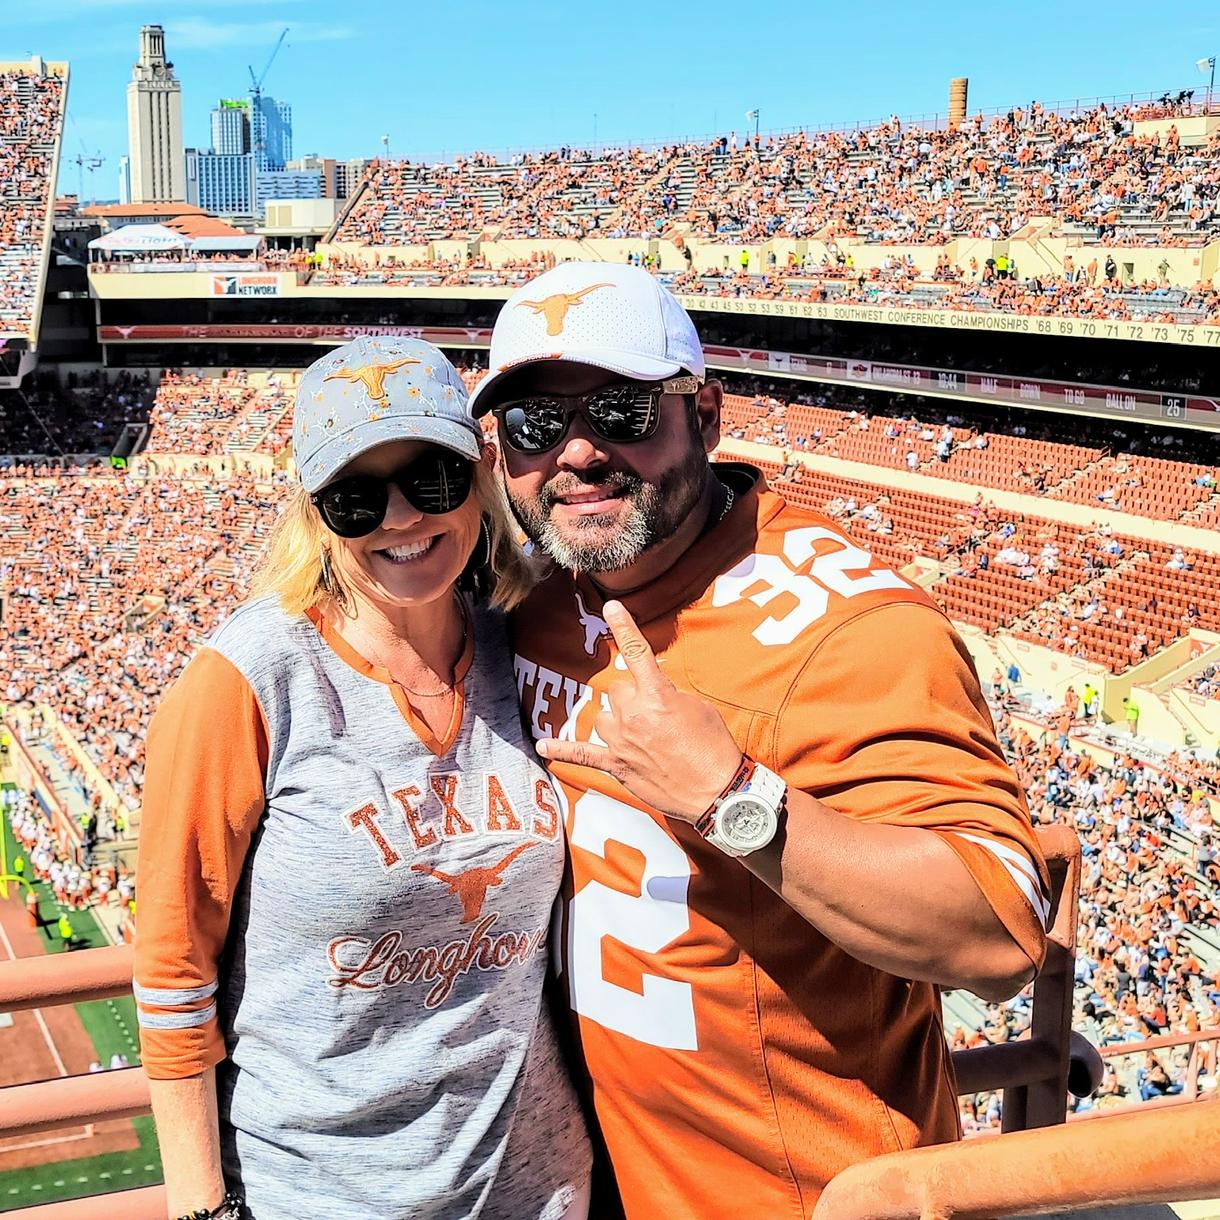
(664, 1013)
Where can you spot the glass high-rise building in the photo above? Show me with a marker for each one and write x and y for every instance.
(219, 182)
(264, 130)
(231, 126)
(251, 146)
(272, 129)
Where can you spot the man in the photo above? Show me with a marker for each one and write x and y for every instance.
(788, 817)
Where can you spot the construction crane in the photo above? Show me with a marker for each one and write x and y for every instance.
(257, 121)
(83, 161)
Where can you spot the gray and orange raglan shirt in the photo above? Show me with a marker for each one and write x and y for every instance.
(348, 917)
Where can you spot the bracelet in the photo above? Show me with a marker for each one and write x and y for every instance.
(706, 820)
(230, 1207)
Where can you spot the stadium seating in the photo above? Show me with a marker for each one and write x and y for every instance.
(31, 119)
(239, 412)
(893, 183)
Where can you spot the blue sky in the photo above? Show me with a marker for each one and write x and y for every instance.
(468, 74)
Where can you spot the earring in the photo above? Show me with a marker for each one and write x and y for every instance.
(476, 576)
(332, 587)
(483, 548)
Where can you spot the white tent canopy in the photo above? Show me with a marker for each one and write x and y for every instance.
(136, 239)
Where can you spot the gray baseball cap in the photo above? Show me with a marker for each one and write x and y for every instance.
(372, 390)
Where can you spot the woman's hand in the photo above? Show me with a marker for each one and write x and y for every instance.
(670, 749)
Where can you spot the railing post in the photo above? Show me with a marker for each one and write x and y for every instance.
(1043, 1103)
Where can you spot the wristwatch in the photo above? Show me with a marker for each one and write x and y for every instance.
(746, 815)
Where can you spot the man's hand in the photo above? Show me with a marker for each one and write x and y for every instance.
(670, 749)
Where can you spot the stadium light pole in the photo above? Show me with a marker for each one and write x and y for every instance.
(385, 144)
(1208, 64)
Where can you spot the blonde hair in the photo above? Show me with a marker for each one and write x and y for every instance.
(297, 566)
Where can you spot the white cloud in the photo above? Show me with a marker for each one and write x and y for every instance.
(202, 33)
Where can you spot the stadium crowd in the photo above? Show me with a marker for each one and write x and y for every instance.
(892, 183)
(1092, 291)
(75, 884)
(1149, 938)
(110, 581)
(83, 414)
(31, 116)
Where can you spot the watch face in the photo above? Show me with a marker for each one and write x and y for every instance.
(745, 823)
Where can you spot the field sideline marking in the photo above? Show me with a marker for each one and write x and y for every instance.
(59, 1139)
(42, 1024)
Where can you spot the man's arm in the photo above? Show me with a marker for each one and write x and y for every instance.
(895, 897)
(906, 841)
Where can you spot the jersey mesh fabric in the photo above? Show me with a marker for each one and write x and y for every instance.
(737, 1058)
(353, 927)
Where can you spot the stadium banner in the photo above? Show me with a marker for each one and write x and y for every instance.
(1203, 335)
(272, 332)
(1075, 397)
(260, 284)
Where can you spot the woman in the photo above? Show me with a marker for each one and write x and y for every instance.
(348, 853)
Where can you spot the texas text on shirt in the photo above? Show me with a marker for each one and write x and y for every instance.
(349, 917)
(736, 1053)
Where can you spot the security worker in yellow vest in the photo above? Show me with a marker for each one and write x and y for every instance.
(65, 931)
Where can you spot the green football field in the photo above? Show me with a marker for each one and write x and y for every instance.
(111, 1025)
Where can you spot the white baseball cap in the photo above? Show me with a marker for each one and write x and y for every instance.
(611, 315)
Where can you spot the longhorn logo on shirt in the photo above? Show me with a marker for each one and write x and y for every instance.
(555, 307)
(472, 885)
(594, 625)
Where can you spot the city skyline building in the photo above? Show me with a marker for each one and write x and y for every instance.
(339, 178)
(286, 184)
(154, 124)
(262, 126)
(271, 133)
(231, 126)
(247, 163)
(219, 182)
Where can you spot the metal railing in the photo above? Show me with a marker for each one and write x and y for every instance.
(1035, 1073)
(1160, 1156)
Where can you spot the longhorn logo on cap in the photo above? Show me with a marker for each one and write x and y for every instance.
(555, 308)
(371, 375)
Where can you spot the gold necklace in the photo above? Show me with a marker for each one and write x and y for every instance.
(459, 671)
(728, 503)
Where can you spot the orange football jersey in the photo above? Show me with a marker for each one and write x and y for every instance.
(739, 1059)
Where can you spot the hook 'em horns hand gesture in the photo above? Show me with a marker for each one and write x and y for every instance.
(669, 749)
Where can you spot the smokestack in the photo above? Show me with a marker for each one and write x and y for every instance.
(959, 86)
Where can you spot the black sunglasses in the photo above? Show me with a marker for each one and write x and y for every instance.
(622, 414)
(436, 482)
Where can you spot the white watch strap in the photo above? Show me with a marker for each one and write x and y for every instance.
(763, 786)
(766, 786)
